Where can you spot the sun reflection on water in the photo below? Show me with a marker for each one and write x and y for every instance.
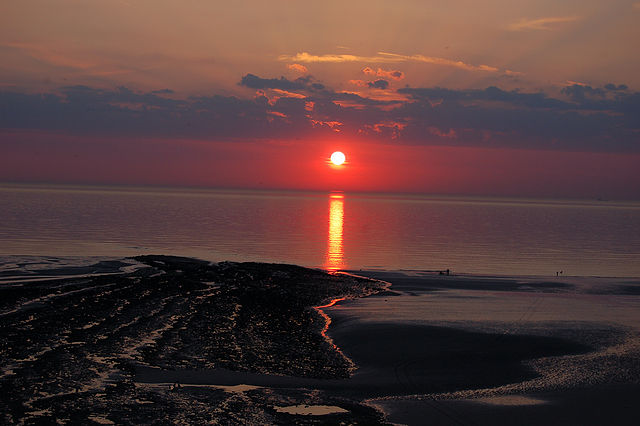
(335, 251)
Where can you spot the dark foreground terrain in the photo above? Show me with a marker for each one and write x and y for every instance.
(167, 340)
(71, 349)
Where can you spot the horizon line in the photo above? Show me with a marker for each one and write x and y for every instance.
(137, 187)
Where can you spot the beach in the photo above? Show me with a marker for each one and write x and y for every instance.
(497, 350)
(161, 338)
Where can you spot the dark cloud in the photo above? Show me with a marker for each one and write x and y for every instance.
(378, 84)
(613, 87)
(584, 118)
(163, 92)
(514, 97)
(581, 92)
(303, 83)
(123, 112)
(589, 120)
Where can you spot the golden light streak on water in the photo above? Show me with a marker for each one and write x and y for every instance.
(335, 249)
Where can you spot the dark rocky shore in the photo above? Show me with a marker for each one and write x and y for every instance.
(71, 349)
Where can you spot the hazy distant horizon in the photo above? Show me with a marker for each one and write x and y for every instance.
(177, 187)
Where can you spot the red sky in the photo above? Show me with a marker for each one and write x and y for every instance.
(530, 98)
(297, 165)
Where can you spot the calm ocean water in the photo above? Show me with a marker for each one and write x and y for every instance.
(332, 230)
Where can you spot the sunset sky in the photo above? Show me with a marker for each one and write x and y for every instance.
(529, 98)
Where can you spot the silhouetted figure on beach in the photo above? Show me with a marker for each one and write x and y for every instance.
(447, 272)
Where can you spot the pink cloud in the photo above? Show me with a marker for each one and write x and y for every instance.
(451, 134)
(385, 57)
(298, 68)
(278, 114)
(392, 74)
(511, 73)
(541, 24)
(333, 125)
(359, 83)
(368, 71)
(390, 128)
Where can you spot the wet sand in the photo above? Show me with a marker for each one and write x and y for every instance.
(598, 405)
(497, 350)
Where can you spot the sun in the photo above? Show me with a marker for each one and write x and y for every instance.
(338, 158)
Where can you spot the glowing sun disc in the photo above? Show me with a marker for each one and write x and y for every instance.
(338, 158)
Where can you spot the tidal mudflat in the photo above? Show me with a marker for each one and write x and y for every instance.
(496, 350)
(175, 340)
(167, 339)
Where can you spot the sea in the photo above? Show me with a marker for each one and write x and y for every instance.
(334, 230)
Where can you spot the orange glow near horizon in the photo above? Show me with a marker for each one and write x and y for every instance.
(335, 250)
